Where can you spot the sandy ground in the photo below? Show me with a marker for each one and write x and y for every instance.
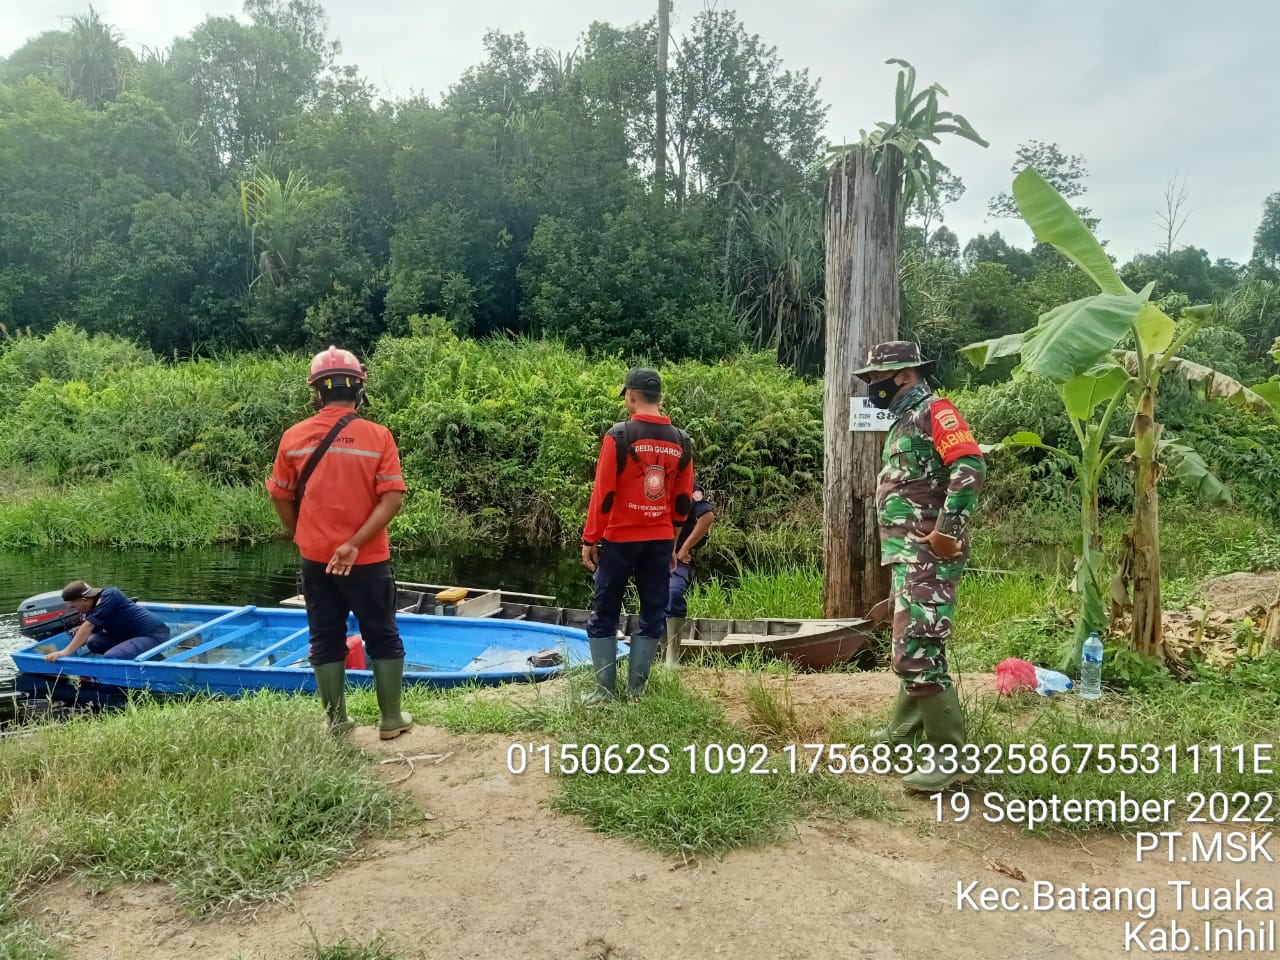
(1240, 594)
(492, 872)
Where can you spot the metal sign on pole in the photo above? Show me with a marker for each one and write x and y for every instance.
(866, 418)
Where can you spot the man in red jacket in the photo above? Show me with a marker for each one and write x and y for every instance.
(336, 501)
(643, 492)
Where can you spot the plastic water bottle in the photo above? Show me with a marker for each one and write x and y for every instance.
(1049, 682)
(1091, 668)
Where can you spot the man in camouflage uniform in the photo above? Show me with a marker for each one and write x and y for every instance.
(925, 495)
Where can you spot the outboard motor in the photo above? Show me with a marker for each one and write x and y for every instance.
(47, 615)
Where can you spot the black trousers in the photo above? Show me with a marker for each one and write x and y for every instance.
(648, 562)
(369, 592)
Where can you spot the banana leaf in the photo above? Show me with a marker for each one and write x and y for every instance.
(1069, 340)
(1054, 222)
(1082, 394)
(1155, 329)
(1183, 465)
(1270, 392)
(1216, 386)
(988, 351)
(1077, 336)
(1188, 468)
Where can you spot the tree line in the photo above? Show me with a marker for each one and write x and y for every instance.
(244, 188)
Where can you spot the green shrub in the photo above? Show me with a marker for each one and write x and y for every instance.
(498, 439)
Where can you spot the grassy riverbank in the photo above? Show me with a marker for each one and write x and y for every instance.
(101, 442)
(498, 439)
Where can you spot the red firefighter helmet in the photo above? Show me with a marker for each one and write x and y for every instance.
(334, 363)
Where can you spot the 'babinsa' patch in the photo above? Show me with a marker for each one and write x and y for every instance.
(952, 437)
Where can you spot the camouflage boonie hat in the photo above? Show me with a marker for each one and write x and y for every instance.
(893, 355)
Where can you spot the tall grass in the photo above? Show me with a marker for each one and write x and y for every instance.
(788, 591)
(102, 442)
(150, 503)
(229, 802)
(498, 439)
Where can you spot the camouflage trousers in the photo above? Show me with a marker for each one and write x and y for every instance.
(924, 603)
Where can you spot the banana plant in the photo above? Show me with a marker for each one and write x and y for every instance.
(917, 122)
(1106, 385)
(1081, 397)
(1078, 347)
(1270, 391)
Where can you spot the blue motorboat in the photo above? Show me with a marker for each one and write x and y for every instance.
(235, 650)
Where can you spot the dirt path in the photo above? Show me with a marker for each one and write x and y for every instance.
(495, 874)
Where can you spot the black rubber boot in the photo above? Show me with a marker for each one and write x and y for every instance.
(943, 725)
(331, 682)
(639, 663)
(604, 663)
(906, 725)
(388, 684)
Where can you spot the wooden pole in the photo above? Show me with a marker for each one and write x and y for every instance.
(862, 309)
(660, 134)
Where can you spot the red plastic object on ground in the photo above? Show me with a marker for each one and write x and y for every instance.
(1013, 675)
(355, 652)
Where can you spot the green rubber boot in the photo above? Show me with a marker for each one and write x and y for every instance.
(643, 650)
(943, 725)
(331, 682)
(906, 724)
(675, 626)
(604, 661)
(388, 683)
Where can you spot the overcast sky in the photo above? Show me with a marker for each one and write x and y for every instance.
(1143, 89)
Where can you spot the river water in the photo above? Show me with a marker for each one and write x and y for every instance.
(261, 574)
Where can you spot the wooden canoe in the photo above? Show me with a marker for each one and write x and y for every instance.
(812, 644)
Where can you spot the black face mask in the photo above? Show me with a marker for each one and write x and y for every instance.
(881, 394)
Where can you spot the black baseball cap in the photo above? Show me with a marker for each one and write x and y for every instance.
(78, 590)
(642, 378)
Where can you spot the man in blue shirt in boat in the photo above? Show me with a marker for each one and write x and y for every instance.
(114, 626)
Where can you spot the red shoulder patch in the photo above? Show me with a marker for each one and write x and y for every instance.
(951, 435)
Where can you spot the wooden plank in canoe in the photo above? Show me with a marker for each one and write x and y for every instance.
(434, 588)
(486, 605)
